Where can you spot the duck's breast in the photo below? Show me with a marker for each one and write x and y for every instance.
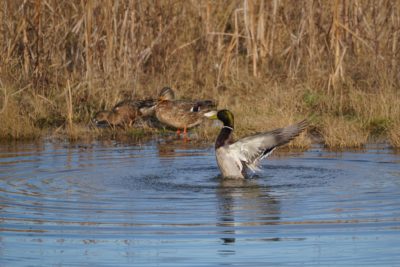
(229, 165)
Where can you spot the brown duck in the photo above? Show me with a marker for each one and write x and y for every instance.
(181, 114)
(125, 113)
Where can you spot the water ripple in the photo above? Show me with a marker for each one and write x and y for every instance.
(115, 204)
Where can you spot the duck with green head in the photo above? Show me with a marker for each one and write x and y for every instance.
(235, 158)
(181, 114)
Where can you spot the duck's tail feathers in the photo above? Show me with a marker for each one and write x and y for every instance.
(204, 105)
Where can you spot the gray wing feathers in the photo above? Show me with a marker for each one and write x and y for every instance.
(250, 150)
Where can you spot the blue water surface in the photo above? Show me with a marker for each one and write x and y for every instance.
(163, 203)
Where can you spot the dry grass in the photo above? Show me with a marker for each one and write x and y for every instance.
(341, 133)
(14, 125)
(394, 135)
(271, 62)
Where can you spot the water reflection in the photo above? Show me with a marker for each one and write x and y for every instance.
(175, 148)
(243, 203)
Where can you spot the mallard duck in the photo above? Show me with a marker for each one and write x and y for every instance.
(125, 113)
(235, 158)
(181, 114)
(144, 108)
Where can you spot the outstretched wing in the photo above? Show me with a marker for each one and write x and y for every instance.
(252, 149)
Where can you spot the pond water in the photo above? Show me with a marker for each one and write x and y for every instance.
(162, 203)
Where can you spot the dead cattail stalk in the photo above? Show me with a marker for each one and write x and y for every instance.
(336, 44)
(88, 50)
(355, 24)
(208, 26)
(261, 30)
(109, 34)
(275, 4)
(227, 58)
(25, 40)
(182, 46)
(249, 21)
(123, 43)
(395, 39)
(5, 99)
(236, 39)
(37, 20)
(354, 34)
(3, 36)
(68, 96)
(311, 30)
(345, 20)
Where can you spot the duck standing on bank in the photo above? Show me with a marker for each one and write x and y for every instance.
(181, 114)
(125, 113)
(235, 158)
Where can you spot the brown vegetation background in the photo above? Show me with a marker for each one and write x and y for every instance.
(270, 62)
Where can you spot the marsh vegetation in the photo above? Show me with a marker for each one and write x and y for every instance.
(270, 62)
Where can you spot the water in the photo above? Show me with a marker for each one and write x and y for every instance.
(163, 204)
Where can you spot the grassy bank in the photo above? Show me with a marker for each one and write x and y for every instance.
(270, 62)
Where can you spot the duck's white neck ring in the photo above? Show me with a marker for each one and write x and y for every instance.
(230, 128)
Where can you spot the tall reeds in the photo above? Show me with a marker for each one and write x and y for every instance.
(110, 50)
